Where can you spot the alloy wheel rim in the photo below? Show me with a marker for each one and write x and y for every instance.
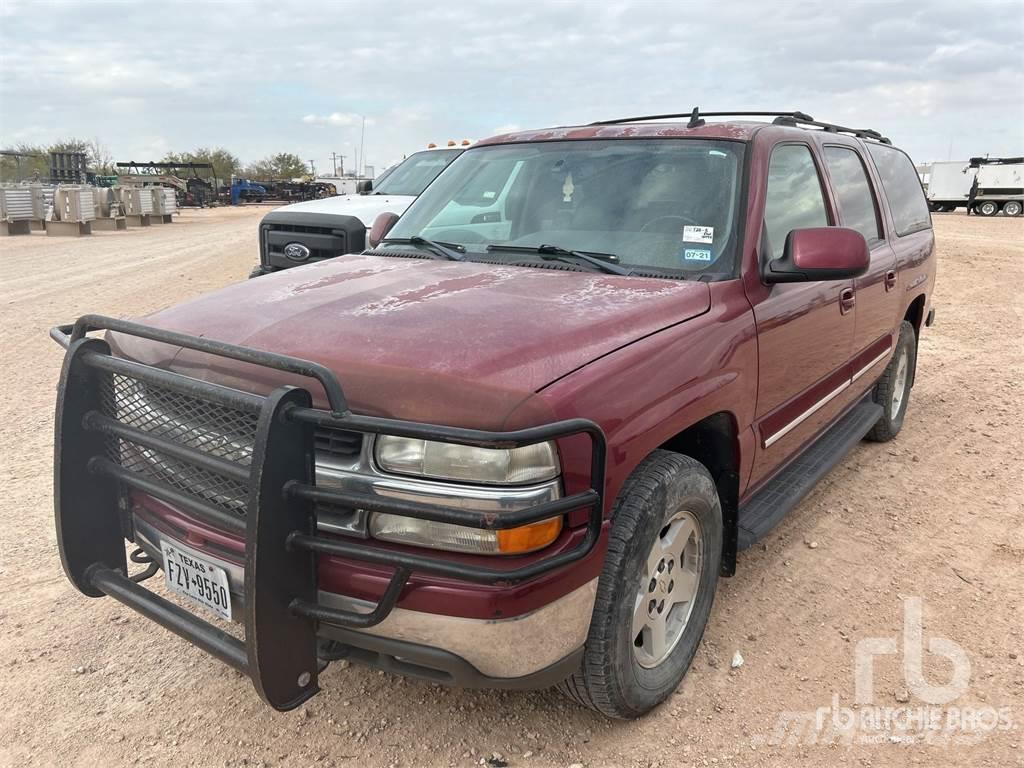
(901, 383)
(668, 589)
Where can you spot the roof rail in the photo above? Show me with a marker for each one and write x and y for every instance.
(797, 121)
(794, 118)
(695, 116)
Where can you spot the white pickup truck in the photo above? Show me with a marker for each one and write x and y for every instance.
(322, 229)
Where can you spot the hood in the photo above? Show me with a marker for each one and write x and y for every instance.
(364, 207)
(441, 341)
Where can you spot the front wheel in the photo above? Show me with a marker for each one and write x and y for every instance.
(892, 391)
(656, 589)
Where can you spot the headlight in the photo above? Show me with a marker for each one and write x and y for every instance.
(458, 538)
(448, 461)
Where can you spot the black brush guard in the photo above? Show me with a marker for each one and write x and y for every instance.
(281, 613)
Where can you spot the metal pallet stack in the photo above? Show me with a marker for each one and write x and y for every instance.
(165, 204)
(16, 211)
(109, 212)
(137, 203)
(73, 212)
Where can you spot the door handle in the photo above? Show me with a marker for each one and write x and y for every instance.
(890, 279)
(847, 300)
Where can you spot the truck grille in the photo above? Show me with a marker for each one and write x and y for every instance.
(337, 442)
(212, 428)
(323, 242)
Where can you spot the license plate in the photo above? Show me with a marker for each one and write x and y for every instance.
(196, 578)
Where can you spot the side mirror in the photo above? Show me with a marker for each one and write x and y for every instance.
(381, 226)
(820, 253)
(364, 186)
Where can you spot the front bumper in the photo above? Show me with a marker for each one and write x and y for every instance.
(255, 480)
(521, 651)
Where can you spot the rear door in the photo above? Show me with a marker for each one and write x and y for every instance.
(875, 292)
(805, 330)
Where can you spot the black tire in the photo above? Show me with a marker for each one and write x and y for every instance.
(890, 383)
(987, 208)
(610, 679)
(1012, 208)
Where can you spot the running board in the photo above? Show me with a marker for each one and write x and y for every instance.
(770, 504)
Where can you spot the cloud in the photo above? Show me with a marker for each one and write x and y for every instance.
(336, 119)
(924, 74)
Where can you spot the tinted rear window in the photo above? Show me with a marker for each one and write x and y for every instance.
(902, 188)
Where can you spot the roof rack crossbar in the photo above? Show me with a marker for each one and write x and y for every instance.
(794, 118)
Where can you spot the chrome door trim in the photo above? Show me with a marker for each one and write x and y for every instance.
(769, 441)
(872, 364)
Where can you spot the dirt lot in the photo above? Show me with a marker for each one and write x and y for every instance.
(938, 514)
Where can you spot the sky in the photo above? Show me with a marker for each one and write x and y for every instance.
(944, 80)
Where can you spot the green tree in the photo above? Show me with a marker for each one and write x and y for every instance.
(283, 165)
(33, 159)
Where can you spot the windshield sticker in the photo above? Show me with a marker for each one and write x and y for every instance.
(699, 234)
(568, 188)
(696, 254)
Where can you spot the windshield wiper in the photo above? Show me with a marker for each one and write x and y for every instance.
(557, 253)
(450, 251)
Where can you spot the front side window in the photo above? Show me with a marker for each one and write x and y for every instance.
(794, 199)
(853, 192)
(902, 188)
(412, 175)
(657, 206)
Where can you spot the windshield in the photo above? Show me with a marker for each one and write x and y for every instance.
(412, 175)
(660, 206)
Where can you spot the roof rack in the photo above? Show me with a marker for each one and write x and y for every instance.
(795, 119)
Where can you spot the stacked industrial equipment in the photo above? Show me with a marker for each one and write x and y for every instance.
(74, 202)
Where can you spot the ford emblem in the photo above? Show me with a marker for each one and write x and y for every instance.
(296, 252)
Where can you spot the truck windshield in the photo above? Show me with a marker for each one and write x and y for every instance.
(412, 175)
(663, 206)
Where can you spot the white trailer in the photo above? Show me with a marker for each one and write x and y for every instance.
(949, 184)
(983, 185)
(999, 185)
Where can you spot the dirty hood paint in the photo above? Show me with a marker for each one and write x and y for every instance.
(429, 340)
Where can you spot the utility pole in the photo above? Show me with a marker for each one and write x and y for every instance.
(312, 169)
(335, 157)
(362, 145)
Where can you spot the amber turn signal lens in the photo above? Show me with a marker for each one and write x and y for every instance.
(527, 538)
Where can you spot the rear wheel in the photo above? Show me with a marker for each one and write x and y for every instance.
(892, 391)
(987, 208)
(656, 590)
(1013, 208)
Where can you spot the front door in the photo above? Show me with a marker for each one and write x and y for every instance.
(805, 331)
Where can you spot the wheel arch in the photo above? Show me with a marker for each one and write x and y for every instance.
(714, 442)
(915, 316)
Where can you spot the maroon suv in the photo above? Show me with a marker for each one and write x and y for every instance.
(517, 442)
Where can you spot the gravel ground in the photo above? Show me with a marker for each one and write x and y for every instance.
(937, 514)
